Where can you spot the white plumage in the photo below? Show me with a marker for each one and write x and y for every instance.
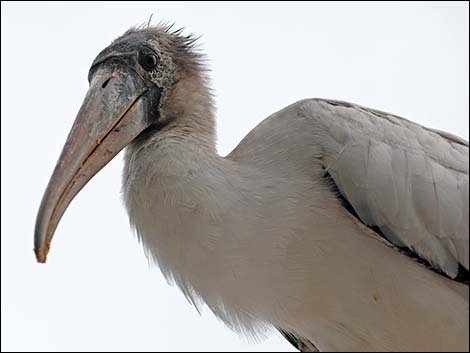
(261, 237)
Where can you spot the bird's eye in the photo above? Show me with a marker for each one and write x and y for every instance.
(149, 61)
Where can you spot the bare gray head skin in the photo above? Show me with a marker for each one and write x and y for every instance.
(139, 85)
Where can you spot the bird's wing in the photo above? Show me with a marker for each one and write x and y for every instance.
(409, 181)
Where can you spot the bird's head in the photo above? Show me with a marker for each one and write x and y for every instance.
(139, 84)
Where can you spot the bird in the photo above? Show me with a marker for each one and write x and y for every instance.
(344, 228)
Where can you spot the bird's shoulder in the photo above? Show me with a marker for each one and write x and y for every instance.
(323, 127)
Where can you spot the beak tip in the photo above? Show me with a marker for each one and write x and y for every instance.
(41, 254)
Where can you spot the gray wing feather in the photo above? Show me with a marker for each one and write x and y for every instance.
(410, 181)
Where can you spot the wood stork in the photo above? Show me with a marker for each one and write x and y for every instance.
(343, 227)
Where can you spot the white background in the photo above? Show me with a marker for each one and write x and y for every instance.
(97, 292)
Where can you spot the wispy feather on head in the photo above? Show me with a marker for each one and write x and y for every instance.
(184, 48)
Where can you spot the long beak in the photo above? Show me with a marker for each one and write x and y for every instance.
(112, 115)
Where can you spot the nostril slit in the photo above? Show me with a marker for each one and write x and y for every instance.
(105, 83)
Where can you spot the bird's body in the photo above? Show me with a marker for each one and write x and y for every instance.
(262, 238)
(306, 227)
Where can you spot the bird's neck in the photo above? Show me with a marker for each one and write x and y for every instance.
(171, 182)
(176, 166)
(187, 116)
(179, 155)
(183, 143)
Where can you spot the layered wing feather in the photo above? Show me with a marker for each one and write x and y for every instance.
(407, 180)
